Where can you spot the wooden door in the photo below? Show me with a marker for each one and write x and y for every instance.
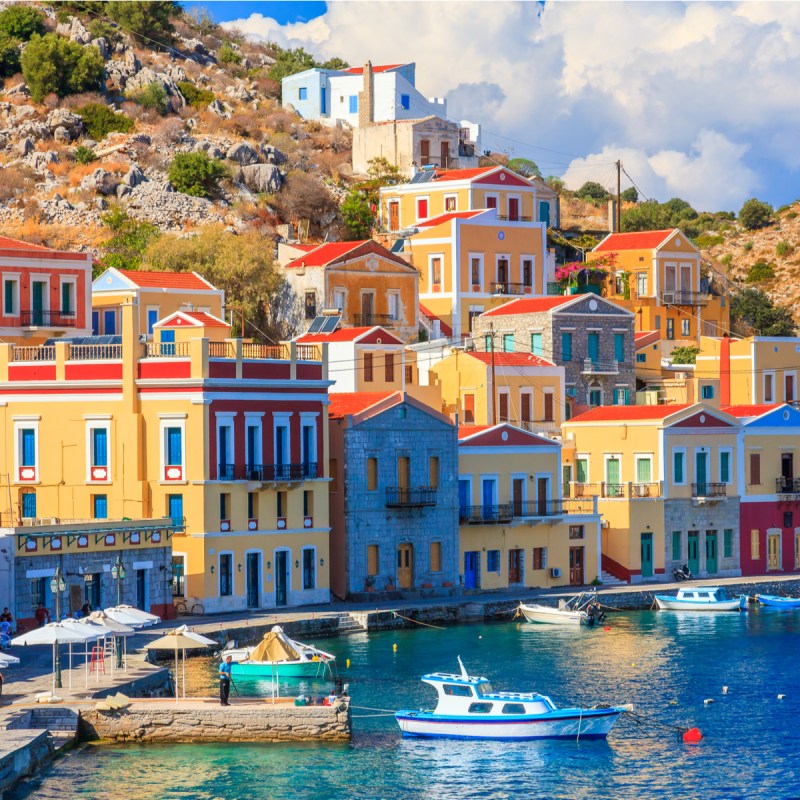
(394, 216)
(367, 308)
(405, 566)
(444, 150)
(425, 152)
(514, 566)
(525, 408)
(503, 407)
(576, 566)
(647, 555)
(518, 490)
(542, 485)
(513, 208)
(693, 551)
(774, 551)
(548, 407)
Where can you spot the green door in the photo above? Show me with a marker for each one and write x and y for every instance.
(647, 555)
(613, 485)
(37, 288)
(694, 552)
(711, 552)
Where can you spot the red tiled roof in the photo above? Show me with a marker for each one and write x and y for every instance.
(530, 305)
(36, 250)
(461, 174)
(208, 320)
(511, 359)
(639, 240)
(445, 328)
(749, 411)
(7, 243)
(379, 68)
(345, 403)
(325, 253)
(626, 413)
(644, 338)
(347, 335)
(166, 280)
(471, 430)
(442, 218)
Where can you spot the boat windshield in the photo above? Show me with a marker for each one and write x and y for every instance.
(457, 690)
(484, 688)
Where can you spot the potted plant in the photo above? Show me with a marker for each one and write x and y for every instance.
(369, 583)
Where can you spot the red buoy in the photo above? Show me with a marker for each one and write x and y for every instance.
(607, 628)
(692, 736)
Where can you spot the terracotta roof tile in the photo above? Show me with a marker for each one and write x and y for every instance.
(462, 174)
(167, 280)
(755, 410)
(36, 250)
(325, 253)
(442, 218)
(638, 240)
(347, 335)
(626, 413)
(511, 359)
(208, 320)
(530, 305)
(343, 404)
(378, 68)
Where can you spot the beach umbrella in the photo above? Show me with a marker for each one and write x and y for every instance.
(114, 628)
(176, 640)
(198, 637)
(144, 617)
(54, 634)
(90, 633)
(7, 660)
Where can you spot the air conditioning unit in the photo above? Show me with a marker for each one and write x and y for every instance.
(668, 297)
(555, 572)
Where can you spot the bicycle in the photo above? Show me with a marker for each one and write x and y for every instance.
(180, 608)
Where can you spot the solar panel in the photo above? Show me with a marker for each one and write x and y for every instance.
(316, 324)
(107, 339)
(399, 246)
(330, 324)
(424, 176)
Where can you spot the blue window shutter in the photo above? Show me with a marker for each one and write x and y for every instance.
(152, 318)
(619, 346)
(174, 446)
(677, 476)
(463, 494)
(100, 506)
(405, 101)
(508, 342)
(566, 347)
(99, 447)
(29, 504)
(66, 306)
(252, 440)
(303, 93)
(323, 100)
(354, 104)
(176, 508)
(28, 447)
(95, 323)
(536, 344)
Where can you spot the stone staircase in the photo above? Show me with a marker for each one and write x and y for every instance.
(352, 622)
(60, 722)
(610, 580)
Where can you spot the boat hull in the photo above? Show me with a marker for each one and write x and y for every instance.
(562, 724)
(775, 601)
(545, 615)
(284, 669)
(666, 603)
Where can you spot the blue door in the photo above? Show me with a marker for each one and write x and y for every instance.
(463, 499)
(95, 323)
(37, 288)
(471, 572)
(29, 504)
(152, 318)
(109, 322)
(544, 212)
(176, 508)
(488, 498)
(167, 343)
(323, 101)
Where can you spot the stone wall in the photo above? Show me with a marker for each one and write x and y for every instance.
(198, 721)
(22, 753)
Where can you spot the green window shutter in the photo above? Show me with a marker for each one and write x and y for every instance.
(676, 545)
(727, 543)
(725, 467)
(566, 347)
(536, 344)
(619, 347)
(508, 342)
(643, 470)
(677, 467)
(8, 297)
(580, 470)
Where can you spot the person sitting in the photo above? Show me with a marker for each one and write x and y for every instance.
(86, 609)
(42, 615)
(6, 616)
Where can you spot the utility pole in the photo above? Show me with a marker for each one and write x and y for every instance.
(494, 391)
(619, 195)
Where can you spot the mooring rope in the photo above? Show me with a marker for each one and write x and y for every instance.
(416, 621)
(368, 708)
(646, 719)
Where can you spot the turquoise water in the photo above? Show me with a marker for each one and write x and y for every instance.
(666, 664)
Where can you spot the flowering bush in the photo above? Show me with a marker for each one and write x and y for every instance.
(570, 273)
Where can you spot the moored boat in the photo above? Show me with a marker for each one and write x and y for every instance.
(701, 598)
(276, 655)
(776, 601)
(468, 708)
(575, 611)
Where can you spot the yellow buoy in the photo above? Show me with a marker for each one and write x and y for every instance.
(347, 663)
(394, 648)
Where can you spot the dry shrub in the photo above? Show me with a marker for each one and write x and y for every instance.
(247, 125)
(332, 164)
(268, 87)
(168, 131)
(155, 158)
(278, 121)
(207, 122)
(16, 181)
(74, 101)
(59, 169)
(303, 197)
(77, 172)
(148, 116)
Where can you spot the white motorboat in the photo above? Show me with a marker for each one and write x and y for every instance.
(468, 708)
(701, 598)
(575, 611)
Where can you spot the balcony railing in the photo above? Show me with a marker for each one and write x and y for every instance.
(617, 491)
(787, 485)
(485, 515)
(522, 509)
(167, 350)
(592, 367)
(49, 319)
(45, 352)
(514, 218)
(95, 352)
(399, 497)
(645, 490)
(263, 351)
(499, 287)
(281, 472)
(685, 298)
(368, 320)
(709, 489)
(226, 472)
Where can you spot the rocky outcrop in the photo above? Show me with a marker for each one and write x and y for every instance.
(145, 76)
(75, 30)
(263, 178)
(101, 181)
(120, 71)
(170, 210)
(242, 153)
(63, 119)
(41, 160)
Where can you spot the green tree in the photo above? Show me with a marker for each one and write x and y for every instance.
(9, 55)
(380, 172)
(149, 22)
(289, 62)
(760, 271)
(21, 22)
(752, 311)
(228, 55)
(591, 190)
(630, 195)
(125, 249)
(334, 63)
(196, 174)
(357, 215)
(524, 167)
(153, 96)
(755, 214)
(99, 120)
(194, 96)
(555, 183)
(241, 264)
(51, 63)
(647, 216)
(84, 154)
(685, 355)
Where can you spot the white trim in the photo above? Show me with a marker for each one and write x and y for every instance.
(729, 451)
(172, 421)
(20, 424)
(232, 554)
(431, 284)
(68, 280)
(16, 278)
(91, 425)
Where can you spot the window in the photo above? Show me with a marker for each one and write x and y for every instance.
(10, 296)
(676, 545)
(252, 506)
(502, 273)
(353, 99)
(39, 592)
(92, 589)
(755, 469)
(224, 506)
(174, 446)
(619, 347)
(593, 347)
(450, 203)
(493, 561)
(707, 392)
(68, 298)
(540, 558)
(503, 406)
(475, 270)
(178, 577)
(536, 344)
(175, 508)
(436, 556)
(508, 342)
(548, 405)
(480, 708)
(99, 445)
(525, 404)
(513, 708)
(641, 284)
(394, 305)
(27, 447)
(422, 208)
(488, 342)
(99, 506)
(469, 408)
(338, 299)
(582, 470)
(436, 271)
(280, 505)
(225, 574)
(787, 519)
(678, 466)
(595, 397)
(670, 328)
(253, 445)
(309, 568)
(28, 504)
(576, 531)
(388, 367)
(527, 272)
(566, 347)
(491, 201)
(686, 328)
(788, 388)
(368, 367)
(152, 318)
(755, 544)
(457, 691)
(727, 543)
(769, 387)
(372, 474)
(302, 93)
(405, 102)
(109, 322)
(643, 469)
(409, 374)
(311, 304)
(372, 559)
(622, 397)
(308, 503)
(433, 472)
(725, 466)
(641, 358)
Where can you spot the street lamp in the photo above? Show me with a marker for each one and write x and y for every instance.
(118, 574)
(57, 586)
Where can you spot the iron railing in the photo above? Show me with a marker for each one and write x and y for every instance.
(645, 489)
(281, 472)
(594, 367)
(514, 218)
(365, 320)
(709, 489)
(49, 319)
(485, 515)
(685, 298)
(400, 497)
(501, 287)
(226, 472)
(785, 485)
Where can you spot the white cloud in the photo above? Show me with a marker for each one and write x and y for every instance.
(684, 89)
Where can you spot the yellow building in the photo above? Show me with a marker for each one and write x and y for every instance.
(432, 192)
(657, 275)
(515, 528)
(528, 390)
(226, 438)
(472, 261)
(665, 481)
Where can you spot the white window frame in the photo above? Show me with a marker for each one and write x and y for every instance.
(496, 198)
(729, 451)
(225, 419)
(637, 457)
(302, 565)
(23, 423)
(431, 284)
(685, 481)
(393, 296)
(68, 280)
(15, 278)
(308, 419)
(399, 205)
(339, 291)
(232, 554)
(771, 376)
(45, 279)
(172, 421)
(102, 422)
(417, 201)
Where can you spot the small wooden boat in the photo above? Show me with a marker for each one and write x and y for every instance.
(701, 598)
(575, 611)
(776, 601)
(278, 656)
(468, 708)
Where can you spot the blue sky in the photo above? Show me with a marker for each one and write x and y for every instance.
(699, 100)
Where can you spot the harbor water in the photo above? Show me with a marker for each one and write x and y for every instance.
(667, 664)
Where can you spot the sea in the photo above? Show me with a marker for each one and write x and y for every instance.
(735, 676)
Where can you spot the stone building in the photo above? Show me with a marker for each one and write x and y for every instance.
(393, 496)
(592, 338)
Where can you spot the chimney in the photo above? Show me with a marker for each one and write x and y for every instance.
(366, 99)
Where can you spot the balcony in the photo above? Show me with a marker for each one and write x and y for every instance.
(514, 218)
(280, 473)
(416, 497)
(226, 472)
(592, 367)
(617, 491)
(485, 515)
(49, 319)
(369, 320)
(685, 298)
(709, 491)
(499, 287)
(788, 486)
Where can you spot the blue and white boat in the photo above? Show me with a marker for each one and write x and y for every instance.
(776, 601)
(701, 598)
(468, 708)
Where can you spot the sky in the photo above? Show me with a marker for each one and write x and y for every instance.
(699, 100)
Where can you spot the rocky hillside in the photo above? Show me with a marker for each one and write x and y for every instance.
(62, 169)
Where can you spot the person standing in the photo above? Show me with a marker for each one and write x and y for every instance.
(225, 681)
(42, 615)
